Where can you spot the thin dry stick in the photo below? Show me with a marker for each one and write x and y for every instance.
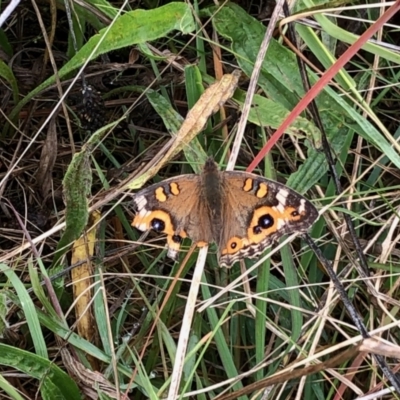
(186, 324)
(8, 11)
(253, 84)
(373, 380)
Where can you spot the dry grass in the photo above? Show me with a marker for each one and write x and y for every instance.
(115, 320)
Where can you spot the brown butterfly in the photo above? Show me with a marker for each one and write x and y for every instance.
(241, 212)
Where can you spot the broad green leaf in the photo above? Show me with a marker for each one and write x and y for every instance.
(57, 381)
(77, 186)
(266, 112)
(134, 27)
(279, 76)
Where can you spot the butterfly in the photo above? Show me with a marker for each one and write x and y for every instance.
(242, 213)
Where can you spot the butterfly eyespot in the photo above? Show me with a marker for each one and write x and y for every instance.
(233, 245)
(158, 225)
(177, 238)
(295, 213)
(257, 229)
(265, 222)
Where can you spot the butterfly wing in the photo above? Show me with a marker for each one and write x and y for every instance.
(174, 207)
(258, 211)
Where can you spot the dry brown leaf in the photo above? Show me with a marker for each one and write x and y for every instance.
(81, 277)
(209, 103)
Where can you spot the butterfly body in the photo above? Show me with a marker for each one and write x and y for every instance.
(241, 212)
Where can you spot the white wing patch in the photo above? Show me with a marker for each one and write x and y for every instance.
(302, 207)
(140, 202)
(282, 195)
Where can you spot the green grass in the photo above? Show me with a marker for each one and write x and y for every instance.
(276, 317)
